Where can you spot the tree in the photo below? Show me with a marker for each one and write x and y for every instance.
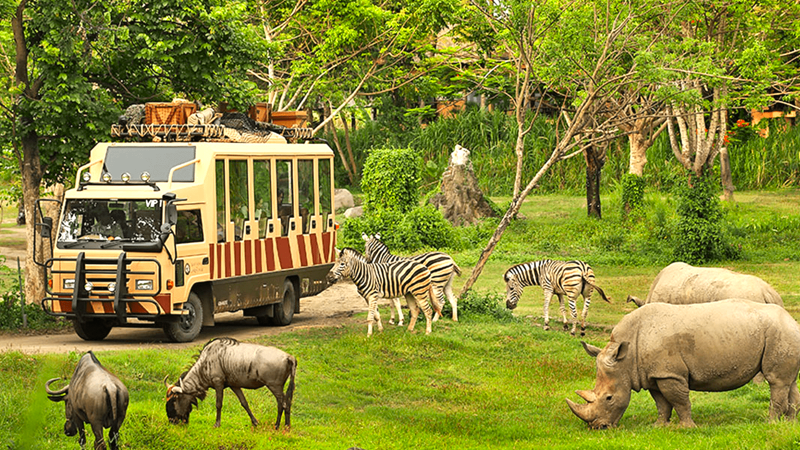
(546, 47)
(77, 63)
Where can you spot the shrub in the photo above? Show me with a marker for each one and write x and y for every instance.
(11, 301)
(421, 227)
(632, 196)
(480, 304)
(391, 179)
(699, 237)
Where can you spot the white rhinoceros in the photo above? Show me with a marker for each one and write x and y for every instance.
(672, 349)
(682, 284)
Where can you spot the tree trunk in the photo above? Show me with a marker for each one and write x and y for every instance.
(519, 149)
(594, 164)
(725, 175)
(332, 130)
(638, 153)
(348, 145)
(31, 179)
(512, 211)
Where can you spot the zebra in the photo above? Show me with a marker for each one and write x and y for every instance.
(440, 264)
(388, 280)
(568, 278)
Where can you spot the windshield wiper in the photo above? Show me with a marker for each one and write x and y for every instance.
(81, 241)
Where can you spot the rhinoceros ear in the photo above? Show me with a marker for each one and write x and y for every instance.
(591, 349)
(617, 350)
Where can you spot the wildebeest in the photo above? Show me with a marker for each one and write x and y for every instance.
(226, 362)
(94, 396)
(673, 349)
(682, 284)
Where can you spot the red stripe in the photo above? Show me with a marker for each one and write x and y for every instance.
(301, 247)
(270, 254)
(326, 246)
(333, 247)
(248, 257)
(211, 260)
(315, 250)
(259, 244)
(284, 252)
(227, 259)
(237, 257)
(220, 261)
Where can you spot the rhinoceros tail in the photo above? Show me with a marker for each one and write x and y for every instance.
(602, 293)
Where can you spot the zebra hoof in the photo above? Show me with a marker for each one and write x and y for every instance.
(546, 328)
(583, 333)
(566, 327)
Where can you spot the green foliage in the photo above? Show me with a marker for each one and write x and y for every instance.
(12, 299)
(699, 236)
(421, 227)
(632, 196)
(487, 305)
(391, 180)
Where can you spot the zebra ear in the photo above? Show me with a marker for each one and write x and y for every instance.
(377, 235)
(364, 236)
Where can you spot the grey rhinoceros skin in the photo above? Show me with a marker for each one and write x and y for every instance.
(682, 284)
(672, 349)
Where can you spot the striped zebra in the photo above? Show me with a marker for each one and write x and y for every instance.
(389, 280)
(440, 264)
(569, 278)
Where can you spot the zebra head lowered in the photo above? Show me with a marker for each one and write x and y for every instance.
(513, 290)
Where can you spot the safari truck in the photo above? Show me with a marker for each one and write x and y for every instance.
(188, 222)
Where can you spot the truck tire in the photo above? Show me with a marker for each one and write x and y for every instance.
(283, 312)
(186, 329)
(92, 330)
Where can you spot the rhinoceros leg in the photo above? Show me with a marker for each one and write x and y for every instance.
(783, 400)
(663, 406)
(676, 392)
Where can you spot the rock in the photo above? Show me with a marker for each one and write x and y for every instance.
(342, 198)
(356, 211)
(460, 199)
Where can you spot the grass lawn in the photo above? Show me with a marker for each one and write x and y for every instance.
(482, 383)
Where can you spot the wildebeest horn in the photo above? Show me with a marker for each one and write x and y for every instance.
(165, 382)
(62, 391)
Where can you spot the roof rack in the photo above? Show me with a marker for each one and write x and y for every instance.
(185, 132)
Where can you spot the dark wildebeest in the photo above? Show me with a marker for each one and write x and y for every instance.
(226, 362)
(93, 396)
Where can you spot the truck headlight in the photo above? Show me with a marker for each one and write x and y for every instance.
(68, 283)
(144, 285)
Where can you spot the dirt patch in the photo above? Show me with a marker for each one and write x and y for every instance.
(333, 307)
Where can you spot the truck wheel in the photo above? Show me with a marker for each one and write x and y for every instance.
(92, 330)
(284, 311)
(186, 329)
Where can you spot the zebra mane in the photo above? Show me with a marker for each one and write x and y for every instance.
(358, 255)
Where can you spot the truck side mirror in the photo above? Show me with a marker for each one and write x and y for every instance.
(47, 227)
(172, 214)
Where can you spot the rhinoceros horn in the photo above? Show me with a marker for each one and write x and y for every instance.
(582, 411)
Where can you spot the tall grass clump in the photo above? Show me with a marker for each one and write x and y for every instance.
(771, 162)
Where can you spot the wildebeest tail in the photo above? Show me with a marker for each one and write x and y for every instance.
(602, 294)
(111, 407)
(287, 398)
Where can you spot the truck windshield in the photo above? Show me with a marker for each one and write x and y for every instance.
(95, 223)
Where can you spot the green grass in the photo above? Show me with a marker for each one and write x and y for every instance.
(476, 384)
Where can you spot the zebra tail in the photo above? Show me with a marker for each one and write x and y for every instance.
(602, 294)
(456, 269)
